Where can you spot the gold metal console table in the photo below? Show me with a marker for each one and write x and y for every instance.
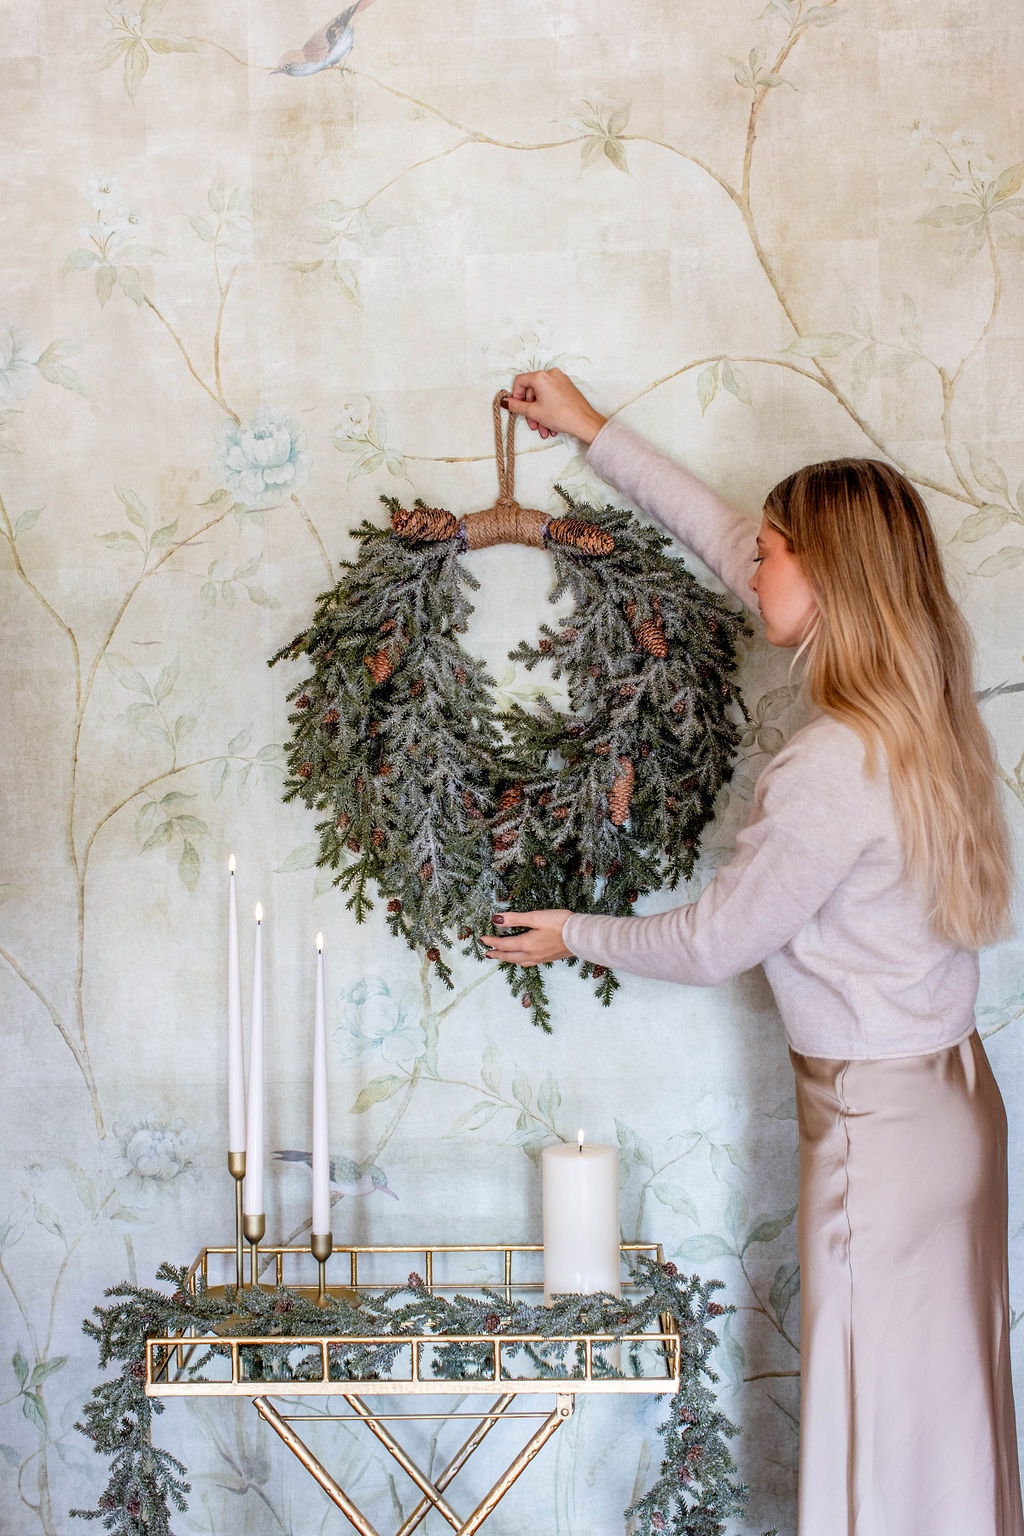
(512, 1270)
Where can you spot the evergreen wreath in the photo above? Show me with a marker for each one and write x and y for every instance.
(454, 811)
(694, 1494)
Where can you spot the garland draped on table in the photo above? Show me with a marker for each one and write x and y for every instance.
(694, 1494)
(453, 810)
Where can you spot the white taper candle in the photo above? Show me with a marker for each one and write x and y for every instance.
(321, 1154)
(252, 1189)
(236, 1069)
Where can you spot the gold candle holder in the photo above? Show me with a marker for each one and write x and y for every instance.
(253, 1228)
(321, 1245)
(236, 1168)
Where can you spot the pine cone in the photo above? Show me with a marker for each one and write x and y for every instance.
(602, 749)
(388, 627)
(394, 905)
(577, 534)
(379, 665)
(502, 841)
(305, 770)
(417, 688)
(343, 822)
(526, 1001)
(303, 701)
(510, 797)
(379, 837)
(426, 872)
(433, 954)
(424, 525)
(650, 633)
(561, 813)
(330, 718)
(621, 793)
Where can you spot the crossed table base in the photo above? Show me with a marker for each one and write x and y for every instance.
(168, 1375)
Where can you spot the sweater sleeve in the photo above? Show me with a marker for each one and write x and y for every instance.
(814, 813)
(719, 535)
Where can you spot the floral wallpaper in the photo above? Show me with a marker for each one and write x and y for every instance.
(252, 282)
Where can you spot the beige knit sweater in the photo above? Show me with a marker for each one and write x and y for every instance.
(815, 891)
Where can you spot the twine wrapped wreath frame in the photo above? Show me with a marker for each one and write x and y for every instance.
(453, 810)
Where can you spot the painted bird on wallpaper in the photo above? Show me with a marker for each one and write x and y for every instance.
(325, 49)
(347, 1176)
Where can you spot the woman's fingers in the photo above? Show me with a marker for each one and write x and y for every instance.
(551, 403)
(541, 943)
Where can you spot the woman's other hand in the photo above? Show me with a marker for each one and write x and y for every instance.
(542, 941)
(551, 403)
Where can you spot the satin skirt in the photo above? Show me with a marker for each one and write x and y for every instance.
(907, 1421)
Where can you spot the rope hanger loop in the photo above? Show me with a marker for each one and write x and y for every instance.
(506, 522)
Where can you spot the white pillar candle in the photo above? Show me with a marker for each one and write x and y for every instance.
(581, 1219)
(321, 1155)
(236, 1070)
(252, 1187)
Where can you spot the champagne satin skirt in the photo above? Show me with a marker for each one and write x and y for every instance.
(906, 1422)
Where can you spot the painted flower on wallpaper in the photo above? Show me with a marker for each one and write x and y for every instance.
(150, 1154)
(17, 368)
(363, 431)
(381, 1019)
(260, 462)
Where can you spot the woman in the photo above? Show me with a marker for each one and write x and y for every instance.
(874, 865)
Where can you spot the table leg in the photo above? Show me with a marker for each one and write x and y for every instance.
(405, 1461)
(315, 1468)
(564, 1406)
(456, 1464)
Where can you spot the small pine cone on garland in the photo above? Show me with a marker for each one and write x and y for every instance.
(426, 872)
(577, 534)
(503, 841)
(388, 627)
(621, 793)
(343, 822)
(650, 633)
(394, 905)
(424, 525)
(433, 954)
(329, 720)
(417, 688)
(305, 770)
(380, 665)
(303, 701)
(510, 797)
(379, 837)
(561, 813)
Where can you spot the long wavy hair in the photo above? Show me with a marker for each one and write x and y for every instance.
(890, 654)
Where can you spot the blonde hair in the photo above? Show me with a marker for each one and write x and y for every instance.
(890, 654)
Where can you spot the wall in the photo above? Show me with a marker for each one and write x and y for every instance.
(763, 236)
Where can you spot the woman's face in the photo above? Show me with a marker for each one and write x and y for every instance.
(784, 596)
